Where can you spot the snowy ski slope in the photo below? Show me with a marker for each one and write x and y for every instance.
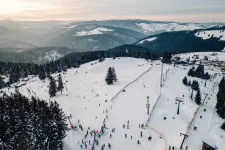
(88, 99)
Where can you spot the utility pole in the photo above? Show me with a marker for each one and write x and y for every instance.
(179, 100)
(148, 105)
(192, 94)
(161, 76)
(185, 136)
(69, 121)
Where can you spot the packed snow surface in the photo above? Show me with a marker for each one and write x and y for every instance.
(220, 34)
(93, 32)
(149, 39)
(90, 100)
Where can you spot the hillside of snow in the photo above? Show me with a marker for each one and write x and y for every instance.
(156, 27)
(93, 32)
(212, 56)
(220, 34)
(149, 39)
(90, 100)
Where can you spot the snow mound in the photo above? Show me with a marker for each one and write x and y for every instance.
(211, 33)
(155, 27)
(149, 39)
(93, 32)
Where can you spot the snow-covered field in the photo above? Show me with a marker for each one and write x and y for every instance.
(90, 100)
(220, 34)
(150, 39)
(93, 32)
(155, 27)
(212, 56)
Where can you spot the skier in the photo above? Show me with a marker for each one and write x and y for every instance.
(186, 147)
(97, 142)
(125, 135)
(138, 142)
(128, 122)
(85, 146)
(93, 147)
(124, 126)
(128, 126)
(81, 146)
(89, 142)
(149, 138)
(110, 136)
(141, 134)
(81, 127)
(109, 145)
(131, 137)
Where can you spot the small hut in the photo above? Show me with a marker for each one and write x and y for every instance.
(208, 144)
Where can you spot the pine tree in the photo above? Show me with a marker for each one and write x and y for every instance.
(60, 122)
(189, 83)
(191, 72)
(167, 56)
(185, 82)
(114, 74)
(206, 58)
(223, 126)
(2, 84)
(198, 98)
(60, 84)
(220, 105)
(109, 76)
(52, 87)
(42, 73)
(199, 72)
(207, 76)
(195, 85)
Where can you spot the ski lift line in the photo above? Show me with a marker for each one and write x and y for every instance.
(121, 91)
(197, 111)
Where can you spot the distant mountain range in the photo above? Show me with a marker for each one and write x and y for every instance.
(201, 40)
(41, 41)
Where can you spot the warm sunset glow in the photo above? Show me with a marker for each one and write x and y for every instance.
(191, 10)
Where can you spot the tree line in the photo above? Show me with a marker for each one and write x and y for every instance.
(220, 105)
(15, 71)
(199, 72)
(194, 86)
(31, 123)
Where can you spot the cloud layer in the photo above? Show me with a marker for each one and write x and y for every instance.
(178, 10)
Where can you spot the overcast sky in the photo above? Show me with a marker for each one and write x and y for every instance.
(174, 10)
